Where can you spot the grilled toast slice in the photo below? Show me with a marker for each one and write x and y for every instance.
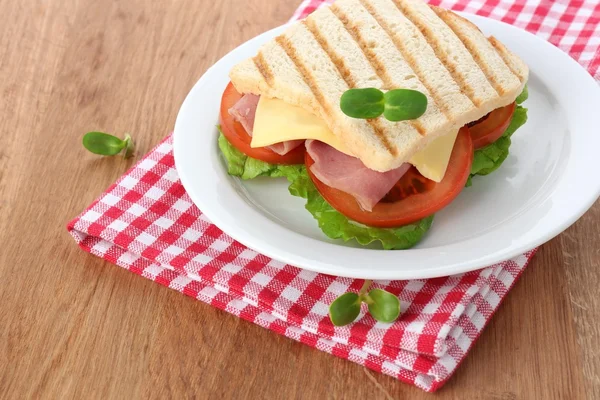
(386, 44)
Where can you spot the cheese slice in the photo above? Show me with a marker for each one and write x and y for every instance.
(432, 161)
(277, 121)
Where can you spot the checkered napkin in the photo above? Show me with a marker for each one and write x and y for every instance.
(147, 224)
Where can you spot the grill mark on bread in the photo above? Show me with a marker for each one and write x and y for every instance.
(338, 61)
(380, 131)
(439, 53)
(263, 68)
(506, 57)
(369, 54)
(289, 49)
(346, 75)
(410, 60)
(371, 57)
(446, 16)
(418, 127)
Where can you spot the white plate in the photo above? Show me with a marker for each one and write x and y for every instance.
(548, 181)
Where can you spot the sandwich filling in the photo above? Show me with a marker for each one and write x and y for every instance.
(268, 121)
(279, 126)
(349, 200)
(349, 174)
(244, 111)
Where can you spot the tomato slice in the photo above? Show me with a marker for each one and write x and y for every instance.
(488, 129)
(414, 197)
(237, 135)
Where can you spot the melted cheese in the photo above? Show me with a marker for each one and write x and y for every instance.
(276, 121)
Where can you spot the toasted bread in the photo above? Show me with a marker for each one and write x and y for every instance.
(386, 44)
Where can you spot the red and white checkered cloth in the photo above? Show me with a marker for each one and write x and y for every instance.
(147, 223)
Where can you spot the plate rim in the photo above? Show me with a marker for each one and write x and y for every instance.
(367, 273)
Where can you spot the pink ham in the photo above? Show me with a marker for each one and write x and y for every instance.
(350, 175)
(244, 112)
(285, 147)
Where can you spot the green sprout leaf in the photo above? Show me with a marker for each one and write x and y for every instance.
(383, 306)
(345, 309)
(107, 145)
(395, 105)
(363, 103)
(404, 104)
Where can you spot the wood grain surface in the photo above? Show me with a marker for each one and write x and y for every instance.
(74, 326)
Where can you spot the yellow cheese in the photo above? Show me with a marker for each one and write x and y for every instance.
(432, 161)
(276, 121)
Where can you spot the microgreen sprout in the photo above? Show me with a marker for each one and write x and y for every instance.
(108, 145)
(395, 105)
(383, 306)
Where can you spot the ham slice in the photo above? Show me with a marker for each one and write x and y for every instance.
(349, 174)
(285, 147)
(244, 112)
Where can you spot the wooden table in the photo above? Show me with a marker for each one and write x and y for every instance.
(74, 326)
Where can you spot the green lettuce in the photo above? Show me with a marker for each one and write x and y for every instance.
(240, 165)
(523, 96)
(336, 226)
(333, 224)
(488, 159)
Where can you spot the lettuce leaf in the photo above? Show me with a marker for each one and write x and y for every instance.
(336, 226)
(488, 159)
(240, 165)
(332, 223)
(523, 96)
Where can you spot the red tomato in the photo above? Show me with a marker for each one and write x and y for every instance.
(238, 137)
(414, 197)
(488, 129)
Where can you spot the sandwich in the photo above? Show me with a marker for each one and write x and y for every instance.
(301, 109)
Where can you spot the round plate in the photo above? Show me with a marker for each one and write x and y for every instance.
(546, 183)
